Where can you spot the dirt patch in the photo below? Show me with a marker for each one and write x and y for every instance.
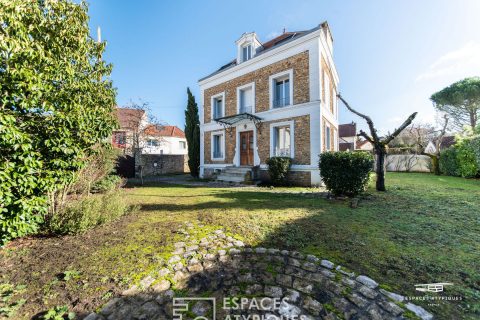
(74, 270)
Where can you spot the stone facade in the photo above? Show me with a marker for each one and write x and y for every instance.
(301, 139)
(230, 141)
(297, 178)
(158, 164)
(301, 94)
(306, 60)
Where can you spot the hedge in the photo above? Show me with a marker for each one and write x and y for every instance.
(345, 173)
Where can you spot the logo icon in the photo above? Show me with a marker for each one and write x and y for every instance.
(432, 287)
(182, 305)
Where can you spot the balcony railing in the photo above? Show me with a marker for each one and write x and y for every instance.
(217, 154)
(246, 109)
(282, 152)
(279, 103)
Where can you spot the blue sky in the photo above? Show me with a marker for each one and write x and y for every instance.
(390, 55)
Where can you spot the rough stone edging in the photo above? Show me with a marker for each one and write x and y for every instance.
(300, 274)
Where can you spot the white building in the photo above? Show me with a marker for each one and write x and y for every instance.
(164, 140)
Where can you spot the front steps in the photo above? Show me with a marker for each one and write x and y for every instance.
(236, 174)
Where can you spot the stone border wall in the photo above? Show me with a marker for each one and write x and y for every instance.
(218, 265)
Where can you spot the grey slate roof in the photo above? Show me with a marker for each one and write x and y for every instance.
(268, 46)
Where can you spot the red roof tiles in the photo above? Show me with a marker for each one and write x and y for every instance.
(164, 131)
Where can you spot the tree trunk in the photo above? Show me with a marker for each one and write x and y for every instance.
(436, 165)
(380, 168)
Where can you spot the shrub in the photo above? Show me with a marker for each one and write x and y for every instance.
(87, 212)
(345, 173)
(107, 183)
(467, 162)
(449, 162)
(57, 103)
(278, 168)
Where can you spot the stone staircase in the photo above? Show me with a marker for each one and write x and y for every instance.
(236, 174)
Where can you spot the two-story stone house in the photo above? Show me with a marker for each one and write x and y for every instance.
(276, 98)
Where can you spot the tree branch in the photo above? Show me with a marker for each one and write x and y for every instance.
(369, 121)
(405, 124)
(366, 136)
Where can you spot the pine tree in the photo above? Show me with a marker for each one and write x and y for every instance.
(192, 132)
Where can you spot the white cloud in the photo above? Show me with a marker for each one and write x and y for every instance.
(455, 64)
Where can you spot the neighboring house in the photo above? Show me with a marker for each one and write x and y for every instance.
(136, 131)
(347, 134)
(131, 122)
(363, 145)
(277, 98)
(447, 141)
(164, 140)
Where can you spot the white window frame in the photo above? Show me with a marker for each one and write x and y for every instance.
(248, 85)
(271, 81)
(182, 144)
(212, 102)
(290, 123)
(217, 133)
(246, 45)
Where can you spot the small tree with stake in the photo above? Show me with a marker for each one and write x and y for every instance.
(379, 144)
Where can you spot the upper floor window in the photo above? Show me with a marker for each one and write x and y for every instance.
(326, 83)
(152, 143)
(246, 52)
(246, 99)
(183, 144)
(281, 89)
(119, 138)
(218, 106)
(282, 93)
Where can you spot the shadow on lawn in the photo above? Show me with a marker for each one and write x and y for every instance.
(323, 235)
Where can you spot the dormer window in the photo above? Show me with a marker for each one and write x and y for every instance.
(246, 52)
(247, 46)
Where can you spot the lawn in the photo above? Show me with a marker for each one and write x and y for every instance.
(424, 229)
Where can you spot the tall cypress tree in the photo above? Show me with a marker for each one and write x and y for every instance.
(192, 133)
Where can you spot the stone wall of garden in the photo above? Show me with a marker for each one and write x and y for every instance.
(159, 164)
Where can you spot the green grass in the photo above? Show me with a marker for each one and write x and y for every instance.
(423, 229)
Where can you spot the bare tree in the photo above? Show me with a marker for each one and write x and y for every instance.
(426, 133)
(140, 124)
(379, 144)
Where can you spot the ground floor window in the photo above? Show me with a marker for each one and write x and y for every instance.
(282, 141)
(327, 138)
(217, 146)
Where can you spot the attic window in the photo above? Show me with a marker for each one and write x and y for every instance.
(246, 52)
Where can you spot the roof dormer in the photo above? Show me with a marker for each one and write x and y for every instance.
(247, 47)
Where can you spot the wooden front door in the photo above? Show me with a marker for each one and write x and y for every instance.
(246, 148)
